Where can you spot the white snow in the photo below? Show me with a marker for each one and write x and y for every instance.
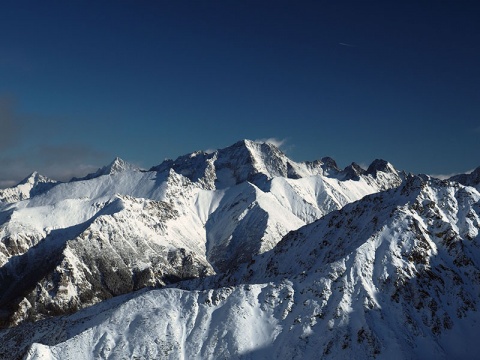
(309, 264)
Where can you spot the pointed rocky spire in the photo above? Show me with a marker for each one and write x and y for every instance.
(380, 165)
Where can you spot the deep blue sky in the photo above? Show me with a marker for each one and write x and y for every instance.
(84, 81)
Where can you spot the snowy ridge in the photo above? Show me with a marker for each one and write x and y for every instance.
(395, 275)
(258, 163)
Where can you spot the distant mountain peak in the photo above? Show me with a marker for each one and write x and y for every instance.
(380, 165)
(258, 162)
(32, 185)
(33, 178)
(472, 179)
(118, 165)
(245, 160)
(330, 163)
(353, 171)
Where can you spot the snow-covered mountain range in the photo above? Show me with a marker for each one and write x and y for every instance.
(240, 252)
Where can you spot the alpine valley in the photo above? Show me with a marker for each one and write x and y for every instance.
(241, 253)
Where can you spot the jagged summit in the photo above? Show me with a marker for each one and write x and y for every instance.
(36, 178)
(246, 160)
(259, 162)
(353, 172)
(30, 178)
(330, 163)
(32, 185)
(118, 165)
(380, 165)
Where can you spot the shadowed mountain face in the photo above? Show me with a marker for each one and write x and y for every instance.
(472, 179)
(348, 255)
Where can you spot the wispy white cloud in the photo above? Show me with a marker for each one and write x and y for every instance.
(274, 141)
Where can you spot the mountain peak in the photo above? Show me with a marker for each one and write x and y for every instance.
(34, 180)
(32, 185)
(260, 161)
(472, 179)
(245, 160)
(256, 162)
(329, 162)
(30, 179)
(256, 144)
(380, 165)
(118, 165)
(353, 171)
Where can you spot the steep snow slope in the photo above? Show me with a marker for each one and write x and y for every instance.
(196, 324)
(395, 275)
(123, 228)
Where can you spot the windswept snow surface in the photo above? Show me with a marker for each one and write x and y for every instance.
(395, 275)
(170, 324)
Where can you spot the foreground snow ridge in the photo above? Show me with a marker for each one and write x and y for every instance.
(241, 253)
(172, 323)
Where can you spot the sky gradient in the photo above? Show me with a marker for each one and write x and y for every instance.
(83, 82)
